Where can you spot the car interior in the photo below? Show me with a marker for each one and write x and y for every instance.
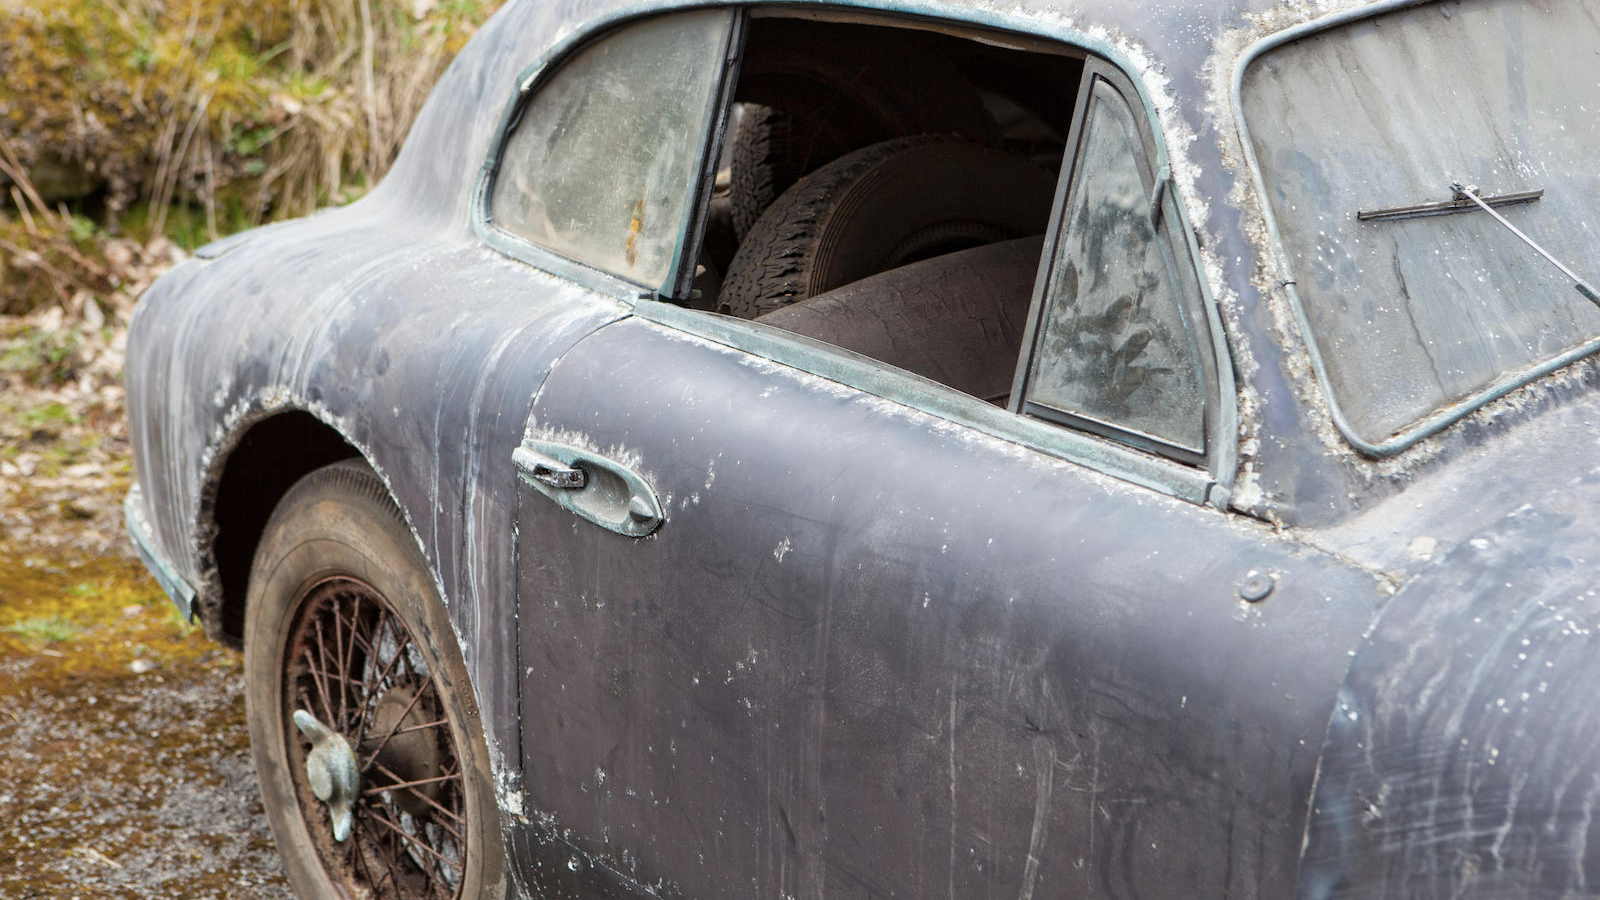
(886, 189)
(880, 184)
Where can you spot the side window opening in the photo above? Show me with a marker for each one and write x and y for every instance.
(980, 211)
(889, 191)
(886, 190)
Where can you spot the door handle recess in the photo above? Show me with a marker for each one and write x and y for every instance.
(599, 489)
(553, 474)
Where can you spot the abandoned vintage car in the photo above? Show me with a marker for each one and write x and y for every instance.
(897, 448)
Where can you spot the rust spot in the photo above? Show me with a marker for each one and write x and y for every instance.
(631, 253)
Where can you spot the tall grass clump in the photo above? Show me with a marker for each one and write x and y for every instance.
(195, 118)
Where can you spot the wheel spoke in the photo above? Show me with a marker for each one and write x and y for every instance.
(383, 788)
(371, 688)
(320, 681)
(434, 724)
(383, 675)
(342, 664)
(412, 839)
(408, 840)
(373, 757)
(339, 677)
(430, 801)
(322, 657)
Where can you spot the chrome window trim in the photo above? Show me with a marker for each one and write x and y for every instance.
(872, 377)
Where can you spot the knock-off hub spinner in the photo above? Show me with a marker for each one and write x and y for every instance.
(331, 769)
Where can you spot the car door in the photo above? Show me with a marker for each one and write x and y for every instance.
(793, 623)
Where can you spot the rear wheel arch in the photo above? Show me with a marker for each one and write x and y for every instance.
(257, 469)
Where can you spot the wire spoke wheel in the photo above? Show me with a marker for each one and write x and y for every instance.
(367, 739)
(351, 663)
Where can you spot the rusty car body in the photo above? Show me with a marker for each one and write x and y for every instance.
(1251, 551)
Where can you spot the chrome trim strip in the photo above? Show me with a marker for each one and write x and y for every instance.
(139, 530)
(873, 377)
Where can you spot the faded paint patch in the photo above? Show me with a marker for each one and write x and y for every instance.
(1422, 547)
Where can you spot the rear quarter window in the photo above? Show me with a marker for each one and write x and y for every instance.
(601, 167)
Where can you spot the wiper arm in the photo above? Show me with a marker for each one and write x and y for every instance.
(1471, 193)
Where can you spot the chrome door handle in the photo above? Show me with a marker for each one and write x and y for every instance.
(598, 488)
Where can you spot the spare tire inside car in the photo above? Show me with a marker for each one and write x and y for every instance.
(812, 92)
(879, 208)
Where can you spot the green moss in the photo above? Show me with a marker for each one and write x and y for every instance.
(43, 357)
(94, 617)
(53, 413)
(39, 631)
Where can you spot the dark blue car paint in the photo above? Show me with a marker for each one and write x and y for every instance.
(870, 654)
(1083, 707)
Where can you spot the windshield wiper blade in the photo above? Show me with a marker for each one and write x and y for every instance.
(1456, 204)
(1471, 193)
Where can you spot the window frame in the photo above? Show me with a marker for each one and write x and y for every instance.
(1158, 187)
(712, 127)
(1205, 481)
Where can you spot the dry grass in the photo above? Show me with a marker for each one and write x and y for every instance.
(45, 250)
(196, 118)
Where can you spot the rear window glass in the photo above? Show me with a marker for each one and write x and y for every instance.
(601, 167)
(1411, 315)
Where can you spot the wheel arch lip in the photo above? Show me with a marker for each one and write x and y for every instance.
(193, 553)
(187, 570)
(155, 559)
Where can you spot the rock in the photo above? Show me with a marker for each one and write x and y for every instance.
(25, 464)
(120, 254)
(48, 319)
(72, 512)
(94, 318)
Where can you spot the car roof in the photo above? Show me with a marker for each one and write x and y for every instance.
(1161, 33)
(1181, 54)
(1173, 48)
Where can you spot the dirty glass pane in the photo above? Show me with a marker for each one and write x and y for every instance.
(602, 167)
(1113, 344)
(1414, 315)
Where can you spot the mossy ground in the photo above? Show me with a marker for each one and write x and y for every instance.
(129, 131)
(122, 729)
(125, 742)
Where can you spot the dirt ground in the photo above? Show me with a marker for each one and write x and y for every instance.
(124, 755)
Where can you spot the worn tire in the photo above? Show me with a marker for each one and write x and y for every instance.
(807, 104)
(764, 164)
(337, 551)
(881, 207)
